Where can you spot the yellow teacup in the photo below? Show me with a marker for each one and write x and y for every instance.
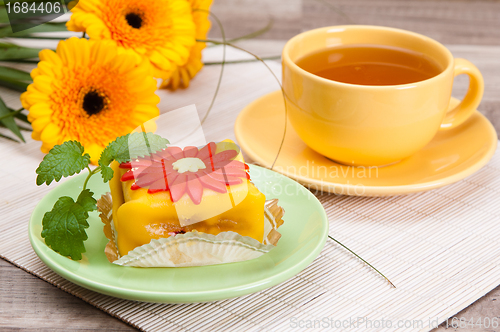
(373, 125)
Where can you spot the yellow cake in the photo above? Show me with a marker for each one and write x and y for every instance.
(176, 191)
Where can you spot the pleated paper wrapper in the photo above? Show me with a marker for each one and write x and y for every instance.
(193, 248)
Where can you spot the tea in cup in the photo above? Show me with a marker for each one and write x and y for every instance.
(372, 96)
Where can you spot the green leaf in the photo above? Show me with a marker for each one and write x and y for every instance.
(14, 78)
(106, 173)
(62, 161)
(3, 14)
(15, 74)
(64, 226)
(87, 201)
(9, 121)
(20, 127)
(128, 147)
(13, 84)
(47, 27)
(13, 52)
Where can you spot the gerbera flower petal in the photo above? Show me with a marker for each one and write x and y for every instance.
(43, 84)
(145, 179)
(232, 164)
(97, 31)
(224, 156)
(185, 77)
(146, 109)
(155, 168)
(94, 150)
(194, 188)
(224, 178)
(175, 152)
(86, 95)
(35, 135)
(161, 31)
(40, 109)
(158, 185)
(207, 151)
(45, 148)
(212, 184)
(190, 151)
(160, 61)
(51, 57)
(103, 53)
(231, 171)
(172, 177)
(64, 52)
(178, 187)
(40, 123)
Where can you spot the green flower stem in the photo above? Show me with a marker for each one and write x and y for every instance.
(224, 43)
(352, 252)
(216, 42)
(91, 172)
(275, 57)
(255, 33)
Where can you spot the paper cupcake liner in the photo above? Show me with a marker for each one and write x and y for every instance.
(193, 248)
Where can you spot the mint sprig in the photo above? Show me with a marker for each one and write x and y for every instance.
(64, 226)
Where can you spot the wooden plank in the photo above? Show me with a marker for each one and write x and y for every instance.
(487, 307)
(449, 21)
(30, 303)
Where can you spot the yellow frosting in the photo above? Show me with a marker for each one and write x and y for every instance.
(139, 217)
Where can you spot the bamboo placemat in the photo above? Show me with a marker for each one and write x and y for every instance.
(440, 248)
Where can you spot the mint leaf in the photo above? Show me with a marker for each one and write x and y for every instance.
(64, 226)
(86, 200)
(62, 160)
(107, 173)
(129, 147)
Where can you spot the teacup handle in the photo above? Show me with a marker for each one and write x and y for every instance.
(471, 101)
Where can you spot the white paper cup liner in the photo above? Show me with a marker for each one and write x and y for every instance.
(193, 248)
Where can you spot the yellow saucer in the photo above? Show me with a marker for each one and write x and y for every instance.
(451, 156)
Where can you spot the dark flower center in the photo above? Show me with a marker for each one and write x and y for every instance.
(134, 20)
(93, 102)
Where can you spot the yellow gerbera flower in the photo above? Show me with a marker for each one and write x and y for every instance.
(162, 31)
(182, 75)
(90, 92)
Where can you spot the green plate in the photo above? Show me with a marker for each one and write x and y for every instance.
(303, 236)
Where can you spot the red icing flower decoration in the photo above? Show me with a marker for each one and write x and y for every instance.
(186, 171)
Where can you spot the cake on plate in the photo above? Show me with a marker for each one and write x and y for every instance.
(187, 207)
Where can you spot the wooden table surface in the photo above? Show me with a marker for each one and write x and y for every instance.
(471, 29)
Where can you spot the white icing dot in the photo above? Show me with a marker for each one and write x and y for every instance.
(188, 165)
